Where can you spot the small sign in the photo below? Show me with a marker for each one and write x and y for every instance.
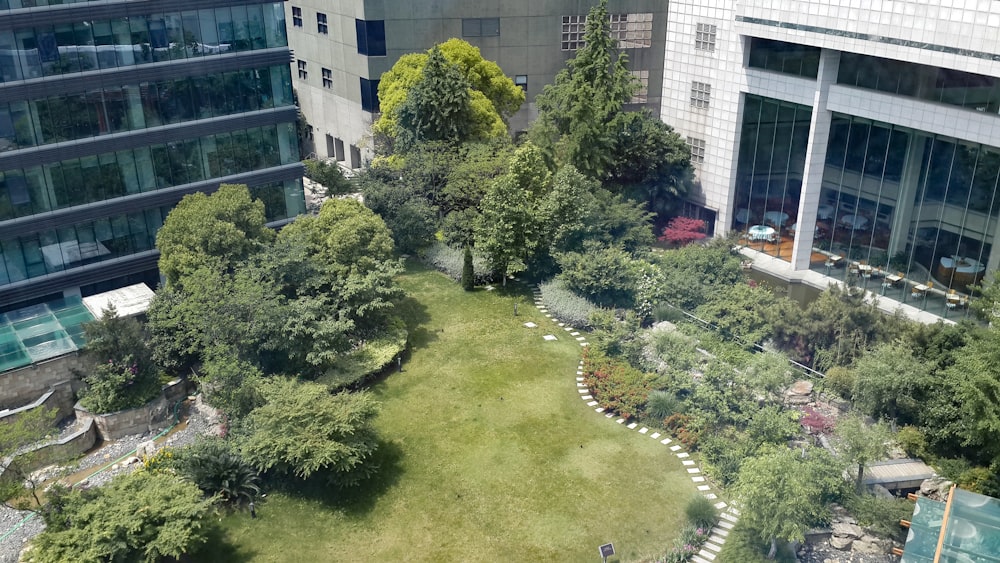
(607, 550)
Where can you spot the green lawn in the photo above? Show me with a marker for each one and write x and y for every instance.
(489, 454)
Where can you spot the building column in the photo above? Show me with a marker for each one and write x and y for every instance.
(908, 188)
(815, 165)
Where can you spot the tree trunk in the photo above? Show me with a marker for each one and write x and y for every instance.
(858, 485)
(774, 548)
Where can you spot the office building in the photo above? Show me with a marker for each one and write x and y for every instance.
(847, 138)
(112, 111)
(342, 48)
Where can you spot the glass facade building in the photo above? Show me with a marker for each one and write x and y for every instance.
(111, 112)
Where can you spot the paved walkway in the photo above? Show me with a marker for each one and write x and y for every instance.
(727, 514)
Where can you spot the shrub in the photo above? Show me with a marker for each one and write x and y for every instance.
(683, 230)
(468, 272)
(450, 261)
(566, 305)
(881, 515)
(329, 176)
(617, 386)
(116, 386)
(840, 380)
(216, 467)
(912, 440)
(700, 512)
(607, 276)
(681, 427)
(816, 422)
(743, 546)
(662, 404)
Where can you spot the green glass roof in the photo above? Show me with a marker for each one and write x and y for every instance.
(40, 332)
(971, 534)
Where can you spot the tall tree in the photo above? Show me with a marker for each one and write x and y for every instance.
(889, 382)
(437, 108)
(860, 444)
(218, 231)
(975, 378)
(785, 492)
(576, 111)
(652, 163)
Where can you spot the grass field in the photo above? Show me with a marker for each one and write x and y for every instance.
(488, 454)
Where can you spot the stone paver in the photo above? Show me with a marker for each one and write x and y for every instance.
(726, 525)
(687, 462)
(633, 425)
(574, 334)
(581, 338)
(707, 554)
(655, 435)
(683, 455)
(600, 409)
(592, 403)
(720, 505)
(711, 496)
(665, 441)
(530, 324)
(583, 391)
(698, 479)
(584, 344)
(550, 337)
(620, 420)
(697, 559)
(717, 539)
(694, 470)
(704, 488)
(729, 517)
(643, 430)
(579, 379)
(713, 547)
(674, 448)
(719, 531)
(587, 398)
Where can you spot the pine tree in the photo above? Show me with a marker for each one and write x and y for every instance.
(468, 273)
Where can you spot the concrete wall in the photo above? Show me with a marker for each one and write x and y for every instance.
(154, 415)
(22, 386)
(55, 452)
(59, 397)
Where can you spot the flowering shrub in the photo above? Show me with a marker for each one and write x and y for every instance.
(685, 546)
(681, 426)
(683, 230)
(615, 385)
(118, 385)
(816, 422)
(566, 305)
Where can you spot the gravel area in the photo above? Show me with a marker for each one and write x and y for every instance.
(826, 554)
(200, 420)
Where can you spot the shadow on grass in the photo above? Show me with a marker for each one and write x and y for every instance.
(219, 548)
(415, 315)
(354, 501)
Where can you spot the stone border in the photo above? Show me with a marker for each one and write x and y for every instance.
(728, 515)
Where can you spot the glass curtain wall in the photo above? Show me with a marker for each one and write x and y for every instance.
(769, 174)
(912, 214)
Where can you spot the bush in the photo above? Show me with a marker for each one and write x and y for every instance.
(605, 275)
(116, 386)
(881, 515)
(450, 261)
(680, 426)
(661, 404)
(329, 176)
(216, 467)
(566, 305)
(742, 546)
(468, 272)
(617, 386)
(913, 442)
(700, 512)
(840, 380)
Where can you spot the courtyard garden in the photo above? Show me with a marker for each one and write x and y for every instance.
(487, 453)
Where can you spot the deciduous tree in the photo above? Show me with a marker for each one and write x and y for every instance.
(889, 382)
(17, 436)
(860, 444)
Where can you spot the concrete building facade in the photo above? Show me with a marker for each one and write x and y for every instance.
(112, 111)
(342, 48)
(854, 139)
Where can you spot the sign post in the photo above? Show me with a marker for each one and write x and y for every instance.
(607, 550)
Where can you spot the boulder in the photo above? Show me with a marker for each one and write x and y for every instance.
(869, 545)
(846, 530)
(131, 461)
(842, 544)
(935, 488)
(146, 450)
(799, 393)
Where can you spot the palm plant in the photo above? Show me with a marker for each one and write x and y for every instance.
(218, 470)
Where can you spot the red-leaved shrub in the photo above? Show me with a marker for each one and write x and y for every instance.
(683, 230)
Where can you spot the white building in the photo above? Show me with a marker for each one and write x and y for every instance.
(857, 136)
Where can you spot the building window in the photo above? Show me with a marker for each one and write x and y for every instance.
(704, 37)
(303, 73)
(632, 31)
(296, 16)
(701, 94)
(641, 95)
(572, 32)
(371, 37)
(522, 81)
(697, 150)
(327, 78)
(321, 23)
(369, 95)
(480, 27)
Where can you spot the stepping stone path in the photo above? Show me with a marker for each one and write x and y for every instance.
(728, 515)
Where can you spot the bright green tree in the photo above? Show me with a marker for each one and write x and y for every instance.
(303, 430)
(18, 489)
(889, 382)
(576, 111)
(492, 97)
(218, 231)
(860, 444)
(141, 516)
(438, 106)
(783, 493)
(975, 383)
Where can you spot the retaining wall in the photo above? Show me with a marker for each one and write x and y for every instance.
(22, 386)
(154, 415)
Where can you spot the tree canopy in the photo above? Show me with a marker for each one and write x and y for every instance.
(451, 81)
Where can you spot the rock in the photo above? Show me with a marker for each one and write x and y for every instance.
(845, 530)
(841, 543)
(935, 487)
(882, 492)
(131, 461)
(864, 546)
(146, 450)
(663, 326)
(799, 393)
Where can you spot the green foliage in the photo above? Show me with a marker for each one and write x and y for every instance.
(139, 516)
(888, 382)
(784, 493)
(617, 336)
(692, 274)
(700, 512)
(743, 546)
(368, 358)
(880, 515)
(860, 444)
(975, 378)
(617, 386)
(724, 452)
(773, 425)
(216, 467)
(606, 276)
(490, 95)
(840, 380)
(651, 162)
(16, 436)
(767, 374)
(468, 271)
(438, 106)
(216, 231)
(576, 111)
(735, 310)
(122, 374)
(329, 175)
(409, 216)
(450, 261)
(661, 404)
(229, 383)
(674, 349)
(303, 430)
(566, 305)
(913, 441)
